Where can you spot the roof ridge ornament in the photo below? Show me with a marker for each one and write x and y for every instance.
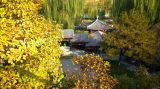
(97, 17)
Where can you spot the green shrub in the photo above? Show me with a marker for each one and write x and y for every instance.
(145, 80)
(125, 82)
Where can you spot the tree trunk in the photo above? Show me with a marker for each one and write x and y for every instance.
(120, 54)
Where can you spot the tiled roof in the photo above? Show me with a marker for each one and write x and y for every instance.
(80, 38)
(98, 25)
(95, 38)
(67, 33)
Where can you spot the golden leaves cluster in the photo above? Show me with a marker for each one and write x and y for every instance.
(94, 72)
(29, 46)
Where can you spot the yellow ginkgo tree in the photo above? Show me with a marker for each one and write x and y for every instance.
(93, 73)
(132, 37)
(29, 46)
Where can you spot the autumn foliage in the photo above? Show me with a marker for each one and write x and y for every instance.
(134, 37)
(29, 46)
(94, 73)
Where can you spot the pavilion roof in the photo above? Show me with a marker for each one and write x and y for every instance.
(98, 25)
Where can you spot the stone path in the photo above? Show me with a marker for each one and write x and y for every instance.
(68, 67)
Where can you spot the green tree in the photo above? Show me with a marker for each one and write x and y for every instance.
(66, 12)
(97, 7)
(69, 12)
(149, 7)
(29, 46)
(133, 38)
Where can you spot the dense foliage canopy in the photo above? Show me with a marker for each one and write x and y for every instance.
(66, 12)
(150, 8)
(133, 37)
(70, 12)
(29, 46)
